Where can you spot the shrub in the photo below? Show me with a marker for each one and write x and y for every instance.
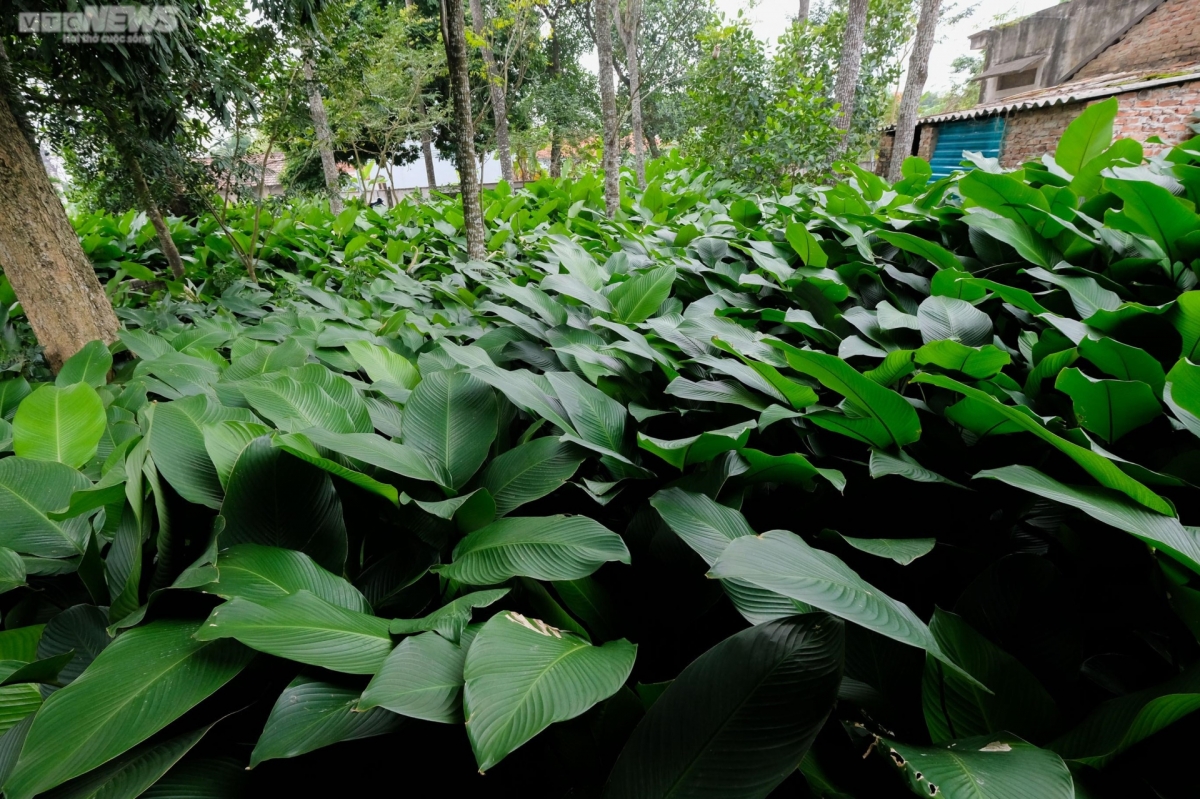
(663, 506)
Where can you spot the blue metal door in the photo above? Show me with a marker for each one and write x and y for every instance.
(977, 135)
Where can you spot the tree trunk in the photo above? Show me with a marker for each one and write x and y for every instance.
(652, 141)
(142, 189)
(316, 108)
(608, 108)
(496, 87)
(802, 15)
(426, 138)
(914, 86)
(454, 36)
(629, 36)
(848, 68)
(52, 278)
(555, 73)
(555, 156)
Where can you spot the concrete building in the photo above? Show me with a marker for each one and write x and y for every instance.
(1041, 72)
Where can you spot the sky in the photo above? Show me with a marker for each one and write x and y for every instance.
(770, 17)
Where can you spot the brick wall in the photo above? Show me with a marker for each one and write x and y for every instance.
(1170, 34)
(886, 142)
(928, 142)
(1028, 134)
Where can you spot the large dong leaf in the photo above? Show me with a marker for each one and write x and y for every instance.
(177, 444)
(146, 679)
(277, 500)
(1120, 723)
(255, 572)
(740, 717)
(1162, 532)
(1087, 136)
(997, 766)
(1181, 392)
(638, 298)
(303, 628)
(782, 562)
(451, 418)
(129, 775)
(1105, 471)
(31, 489)
(421, 678)
(59, 424)
(312, 713)
(90, 365)
(1108, 408)
(954, 708)
(529, 471)
(383, 365)
(295, 405)
(522, 676)
(542, 547)
(950, 319)
(886, 417)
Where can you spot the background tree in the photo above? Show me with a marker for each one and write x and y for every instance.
(454, 36)
(497, 84)
(914, 84)
(608, 106)
(316, 108)
(849, 66)
(629, 23)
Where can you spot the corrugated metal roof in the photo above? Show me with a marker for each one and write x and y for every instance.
(1074, 92)
(1008, 67)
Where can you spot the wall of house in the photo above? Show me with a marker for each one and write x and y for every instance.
(1168, 35)
(1163, 111)
(886, 143)
(927, 141)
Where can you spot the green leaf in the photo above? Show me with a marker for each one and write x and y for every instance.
(90, 365)
(256, 573)
(313, 713)
(704, 735)
(225, 442)
(104, 712)
(1029, 245)
(995, 766)
(597, 417)
(745, 213)
(1124, 362)
(1155, 210)
(281, 501)
(304, 628)
(887, 418)
(383, 365)
(1163, 532)
(806, 246)
(14, 390)
(451, 418)
(638, 298)
(902, 550)
(1087, 295)
(295, 405)
(782, 562)
(1120, 723)
(1185, 316)
(451, 619)
(17, 702)
(29, 491)
(40, 671)
(127, 776)
(1003, 194)
(79, 629)
(422, 678)
(202, 778)
(59, 424)
(543, 548)
(1101, 468)
(954, 708)
(947, 318)
(377, 451)
(1087, 136)
(936, 254)
(699, 449)
(12, 570)
(975, 362)
(529, 471)
(1181, 392)
(176, 441)
(522, 676)
(301, 447)
(1108, 408)
(883, 463)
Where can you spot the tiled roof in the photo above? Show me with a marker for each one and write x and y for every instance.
(1074, 92)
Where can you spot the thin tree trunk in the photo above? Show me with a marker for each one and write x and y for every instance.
(652, 141)
(496, 88)
(555, 156)
(848, 68)
(629, 36)
(608, 107)
(555, 73)
(142, 189)
(802, 15)
(426, 138)
(454, 37)
(914, 86)
(52, 278)
(316, 109)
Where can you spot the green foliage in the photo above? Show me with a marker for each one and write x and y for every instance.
(662, 505)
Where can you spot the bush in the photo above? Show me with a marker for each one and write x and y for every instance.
(887, 483)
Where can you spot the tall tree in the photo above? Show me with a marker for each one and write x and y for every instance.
(629, 26)
(454, 36)
(914, 85)
(496, 87)
(608, 107)
(426, 134)
(849, 66)
(802, 13)
(40, 253)
(316, 108)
